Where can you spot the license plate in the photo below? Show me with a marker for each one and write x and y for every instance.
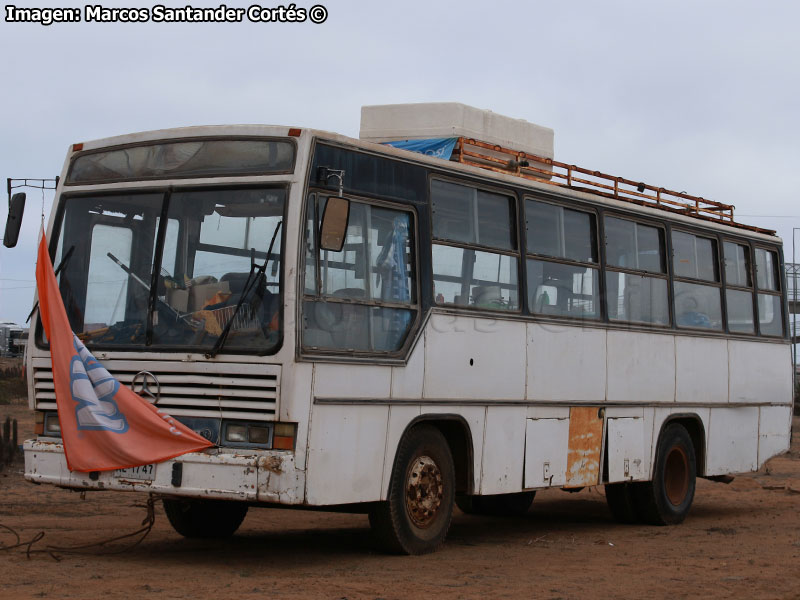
(141, 473)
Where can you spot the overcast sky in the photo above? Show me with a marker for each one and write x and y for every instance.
(699, 95)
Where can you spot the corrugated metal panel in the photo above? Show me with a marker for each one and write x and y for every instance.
(228, 390)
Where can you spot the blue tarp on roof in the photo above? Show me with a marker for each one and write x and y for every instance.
(437, 147)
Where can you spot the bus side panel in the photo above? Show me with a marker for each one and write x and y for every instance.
(407, 380)
(702, 370)
(774, 431)
(546, 446)
(295, 405)
(474, 358)
(641, 367)
(760, 372)
(347, 442)
(504, 449)
(546, 449)
(352, 382)
(346, 453)
(732, 440)
(625, 449)
(643, 418)
(566, 363)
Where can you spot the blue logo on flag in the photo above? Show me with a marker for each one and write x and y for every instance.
(94, 388)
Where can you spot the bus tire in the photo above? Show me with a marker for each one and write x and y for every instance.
(621, 502)
(416, 516)
(497, 505)
(204, 518)
(666, 499)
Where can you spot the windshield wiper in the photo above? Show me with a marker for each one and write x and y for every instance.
(60, 266)
(255, 275)
(141, 282)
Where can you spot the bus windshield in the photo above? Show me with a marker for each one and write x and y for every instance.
(172, 269)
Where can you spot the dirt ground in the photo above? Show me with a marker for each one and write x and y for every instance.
(740, 540)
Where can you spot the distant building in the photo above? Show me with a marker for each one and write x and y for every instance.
(13, 339)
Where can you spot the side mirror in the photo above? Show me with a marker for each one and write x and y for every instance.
(14, 223)
(334, 224)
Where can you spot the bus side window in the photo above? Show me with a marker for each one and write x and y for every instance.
(770, 317)
(475, 256)
(636, 274)
(698, 292)
(562, 261)
(367, 296)
(739, 288)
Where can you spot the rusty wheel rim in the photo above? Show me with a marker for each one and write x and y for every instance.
(424, 491)
(676, 475)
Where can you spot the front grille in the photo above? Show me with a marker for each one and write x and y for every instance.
(196, 389)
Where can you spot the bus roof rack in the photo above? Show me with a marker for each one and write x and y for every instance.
(469, 151)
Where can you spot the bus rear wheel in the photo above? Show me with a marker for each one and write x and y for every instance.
(666, 499)
(416, 516)
(500, 505)
(204, 518)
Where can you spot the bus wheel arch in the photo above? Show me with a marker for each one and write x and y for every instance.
(415, 517)
(697, 433)
(458, 435)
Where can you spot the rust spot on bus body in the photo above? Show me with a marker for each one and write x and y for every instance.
(273, 464)
(585, 443)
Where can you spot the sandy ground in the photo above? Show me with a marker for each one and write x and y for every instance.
(740, 540)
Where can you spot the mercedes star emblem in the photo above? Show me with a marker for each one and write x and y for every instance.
(148, 385)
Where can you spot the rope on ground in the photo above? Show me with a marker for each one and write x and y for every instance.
(98, 546)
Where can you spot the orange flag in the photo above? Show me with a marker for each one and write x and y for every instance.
(104, 425)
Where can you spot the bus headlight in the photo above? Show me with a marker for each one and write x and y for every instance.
(52, 427)
(236, 433)
(258, 435)
(248, 434)
(268, 436)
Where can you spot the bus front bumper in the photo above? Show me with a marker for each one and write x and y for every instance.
(247, 475)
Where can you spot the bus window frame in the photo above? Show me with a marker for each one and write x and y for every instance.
(516, 233)
(302, 296)
(601, 207)
(780, 292)
(599, 265)
(166, 191)
(719, 264)
(724, 239)
(211, 138)
(54, 239)
(667, 275)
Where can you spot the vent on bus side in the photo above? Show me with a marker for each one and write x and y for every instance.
(219, 390)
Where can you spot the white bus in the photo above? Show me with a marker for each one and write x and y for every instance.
(362, 327)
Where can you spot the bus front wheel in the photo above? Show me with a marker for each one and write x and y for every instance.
(666, 499)
(416, 515)
(204, 518)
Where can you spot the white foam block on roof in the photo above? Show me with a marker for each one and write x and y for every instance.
(392, 122)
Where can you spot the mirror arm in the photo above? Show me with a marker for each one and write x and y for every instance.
(326, 173)
(40, 185)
